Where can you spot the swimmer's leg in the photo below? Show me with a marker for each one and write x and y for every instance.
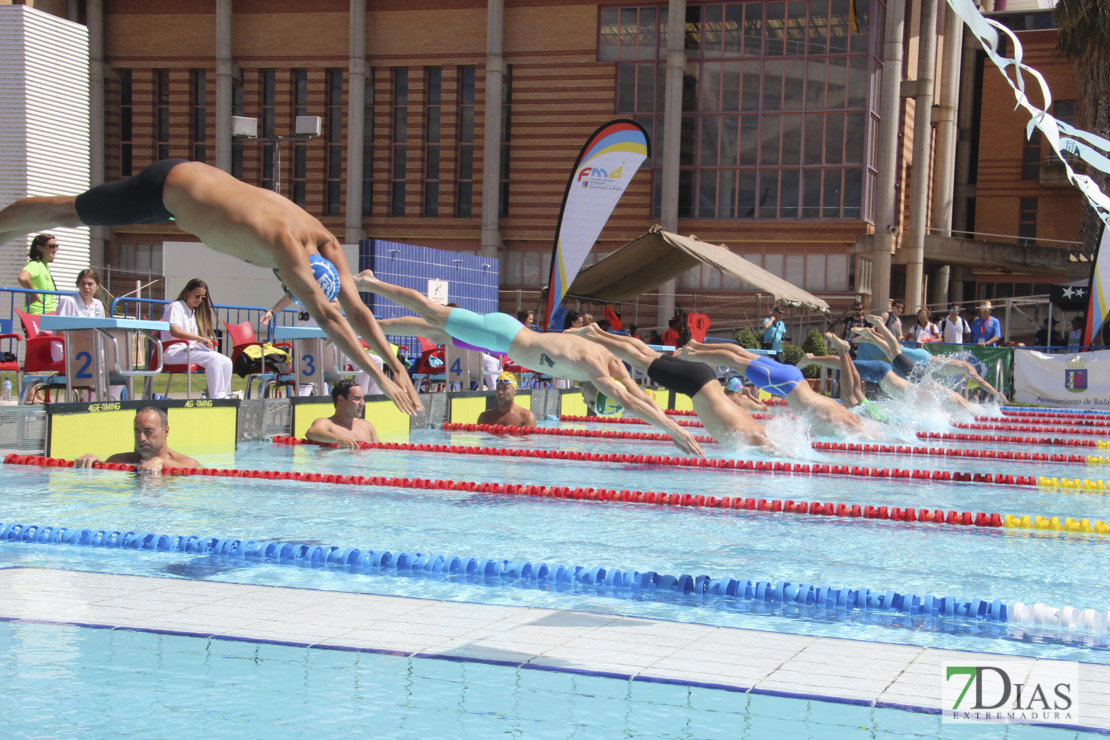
(627, 349)
(37, 213)
(885, 337)
(433, 313)
(730, 355)
(851, 386)
(405, 326)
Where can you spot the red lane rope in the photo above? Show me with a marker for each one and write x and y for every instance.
(854, 471)
(1054, 421)
(1036, 428)
(963, 425)
(1053, 414)
(656, 437)
(610, 495)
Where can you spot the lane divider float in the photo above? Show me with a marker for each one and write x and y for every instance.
(722, 592)
(611, 495)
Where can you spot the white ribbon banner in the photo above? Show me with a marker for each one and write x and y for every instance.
(1092, 149)
(1068, 381)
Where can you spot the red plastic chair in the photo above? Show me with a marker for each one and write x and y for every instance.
(242, 336)
(40, 369)
(424, 369)
(188, 368)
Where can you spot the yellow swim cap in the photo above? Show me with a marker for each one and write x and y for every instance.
(507, 377)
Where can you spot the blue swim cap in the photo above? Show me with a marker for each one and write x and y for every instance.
(327, 277)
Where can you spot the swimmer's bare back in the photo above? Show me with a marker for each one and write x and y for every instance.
(240, 220)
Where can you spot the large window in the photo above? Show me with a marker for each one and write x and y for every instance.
(162, 115)
(433, 97)
(777, 104)
(266, 115)
(368, 145)
(198, 80)
(125, 120)
(506, 126)
(300, 148)
(237, 110)
(400, 139)
(334, 109)
(465, 179)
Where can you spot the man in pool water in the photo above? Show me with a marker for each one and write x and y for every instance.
(723, 419)
(826, 415)
(559, 355)
(257, 226)
(345, 427)
(507, 412)
(152, 453)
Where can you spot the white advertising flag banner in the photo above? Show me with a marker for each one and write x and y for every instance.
(1080, 381)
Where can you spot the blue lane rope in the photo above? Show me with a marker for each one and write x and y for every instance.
(727, 593)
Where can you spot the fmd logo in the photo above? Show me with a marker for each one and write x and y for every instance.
(1041, 692)
(595, 176)
(1075, 375)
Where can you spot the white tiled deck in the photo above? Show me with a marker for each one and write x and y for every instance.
(874, 673)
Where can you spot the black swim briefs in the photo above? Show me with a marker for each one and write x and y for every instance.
(681, 376)
(133, 200)
(902, 365)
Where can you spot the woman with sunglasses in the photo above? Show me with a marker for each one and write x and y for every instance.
(192, 319)
(35, 275)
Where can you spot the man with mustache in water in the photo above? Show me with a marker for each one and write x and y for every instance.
(257, 226)
(826, 416)
(559, 355)
(724, 420)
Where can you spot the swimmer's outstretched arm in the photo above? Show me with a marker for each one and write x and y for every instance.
(298, 278)
(637, 404)
(954, 367)
(367, 327)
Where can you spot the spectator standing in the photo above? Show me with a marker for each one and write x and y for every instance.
(35, 275)
(853, 321)
(923, 329)
(1046, 338)
(773, 331)
(526, 317)
(192, 319)
(985, 330)
(670, 336)
(892, 318)
(1075, 336)
(953, 327)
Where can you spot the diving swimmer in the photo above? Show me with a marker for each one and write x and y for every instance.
(559, 355)
(257, 226)
(723, 419)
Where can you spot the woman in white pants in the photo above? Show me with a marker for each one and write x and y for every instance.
(191, 318)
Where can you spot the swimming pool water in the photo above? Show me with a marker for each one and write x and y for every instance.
(1057, 569)
(75, 681)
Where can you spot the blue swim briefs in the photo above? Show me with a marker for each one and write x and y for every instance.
(491, 331)
(774, 377)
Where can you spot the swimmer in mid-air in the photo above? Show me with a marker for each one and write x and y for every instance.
(723, 419)
(257, 226)
(559, 355)
(919, 362)
(826, 415)
(881, 373)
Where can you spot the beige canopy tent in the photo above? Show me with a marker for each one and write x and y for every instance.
(657, 256)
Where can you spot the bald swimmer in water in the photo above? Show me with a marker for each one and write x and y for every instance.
(257, 226)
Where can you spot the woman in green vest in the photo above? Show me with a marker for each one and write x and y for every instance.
(36, 275)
